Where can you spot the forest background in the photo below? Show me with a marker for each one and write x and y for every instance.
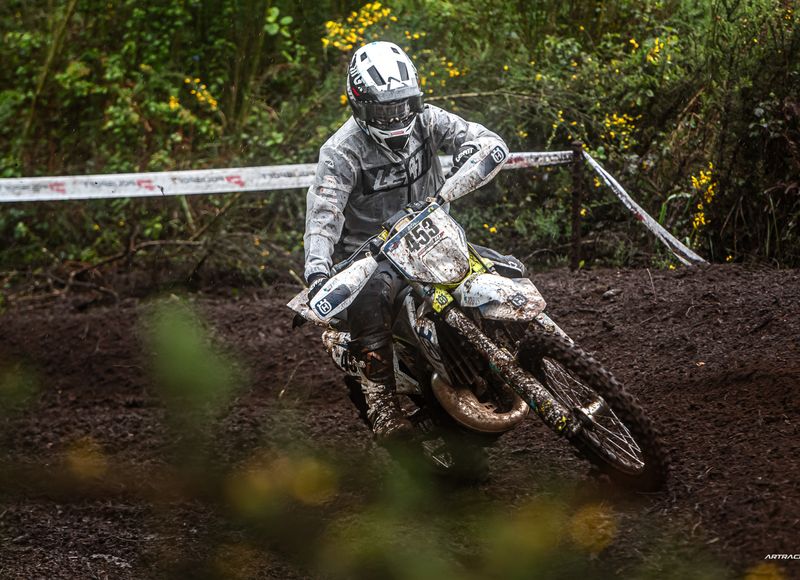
(693, 105)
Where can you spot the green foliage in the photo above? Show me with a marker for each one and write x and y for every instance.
(18, 386)
(656, 89)
(196, 380)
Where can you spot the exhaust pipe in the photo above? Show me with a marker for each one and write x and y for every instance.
(467, 410)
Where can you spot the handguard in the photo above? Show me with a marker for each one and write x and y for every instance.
(477, 171)
(340, 290)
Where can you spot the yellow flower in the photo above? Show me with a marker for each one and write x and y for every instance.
(672, 266)
(492, 230)
(583, 212)
(343, 99)
(505, 67)
(728, 258)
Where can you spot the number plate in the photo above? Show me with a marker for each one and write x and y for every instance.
(432, 248)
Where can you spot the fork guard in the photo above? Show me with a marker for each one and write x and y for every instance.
(463, 406)
(551, 411)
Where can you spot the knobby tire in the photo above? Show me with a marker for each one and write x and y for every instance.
(537, 347)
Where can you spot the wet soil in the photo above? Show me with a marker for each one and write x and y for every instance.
(103, 477)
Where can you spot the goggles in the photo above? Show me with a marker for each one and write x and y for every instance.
(393, 114)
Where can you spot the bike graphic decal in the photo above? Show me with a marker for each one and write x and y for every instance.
(495, 158)
(519, 300)
(324, 306)
(427, 336)
(441, 298)
(334, 298)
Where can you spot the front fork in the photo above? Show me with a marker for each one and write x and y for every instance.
(552, 412)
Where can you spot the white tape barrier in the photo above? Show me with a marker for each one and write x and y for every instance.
(681, 252)
(277, 177)
(202, 181)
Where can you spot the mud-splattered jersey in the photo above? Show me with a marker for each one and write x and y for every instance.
(359, 185)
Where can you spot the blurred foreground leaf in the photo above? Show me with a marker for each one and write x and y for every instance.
(195, 378)
(18, 386)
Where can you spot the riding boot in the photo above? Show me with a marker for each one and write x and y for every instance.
(388, 421)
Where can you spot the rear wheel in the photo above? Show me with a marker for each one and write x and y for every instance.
(615, 434)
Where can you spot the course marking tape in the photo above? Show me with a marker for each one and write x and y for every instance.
(271, 178)
(684, 254)
(203, 181)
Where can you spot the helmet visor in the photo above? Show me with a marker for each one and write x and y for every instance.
(393, 114)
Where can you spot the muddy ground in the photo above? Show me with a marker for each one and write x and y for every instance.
(104, 475)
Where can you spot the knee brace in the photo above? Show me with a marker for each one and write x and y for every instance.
(379, 364)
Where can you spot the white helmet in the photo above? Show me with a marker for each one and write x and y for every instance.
(383, 91)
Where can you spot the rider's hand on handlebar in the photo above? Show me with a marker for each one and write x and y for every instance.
(315, 284)
(460, 157)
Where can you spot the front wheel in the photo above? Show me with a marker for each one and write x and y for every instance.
(615, 434)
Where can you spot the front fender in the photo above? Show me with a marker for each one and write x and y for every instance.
(500, 298)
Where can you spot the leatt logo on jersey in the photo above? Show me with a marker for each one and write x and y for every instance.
(393, 175)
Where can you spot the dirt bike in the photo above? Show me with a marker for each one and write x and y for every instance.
(475, 351)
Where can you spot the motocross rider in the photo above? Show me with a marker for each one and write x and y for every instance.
(383, 158)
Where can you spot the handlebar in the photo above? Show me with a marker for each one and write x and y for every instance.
(352, 258)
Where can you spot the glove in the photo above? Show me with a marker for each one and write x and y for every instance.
(460, 157)
(315, 284)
